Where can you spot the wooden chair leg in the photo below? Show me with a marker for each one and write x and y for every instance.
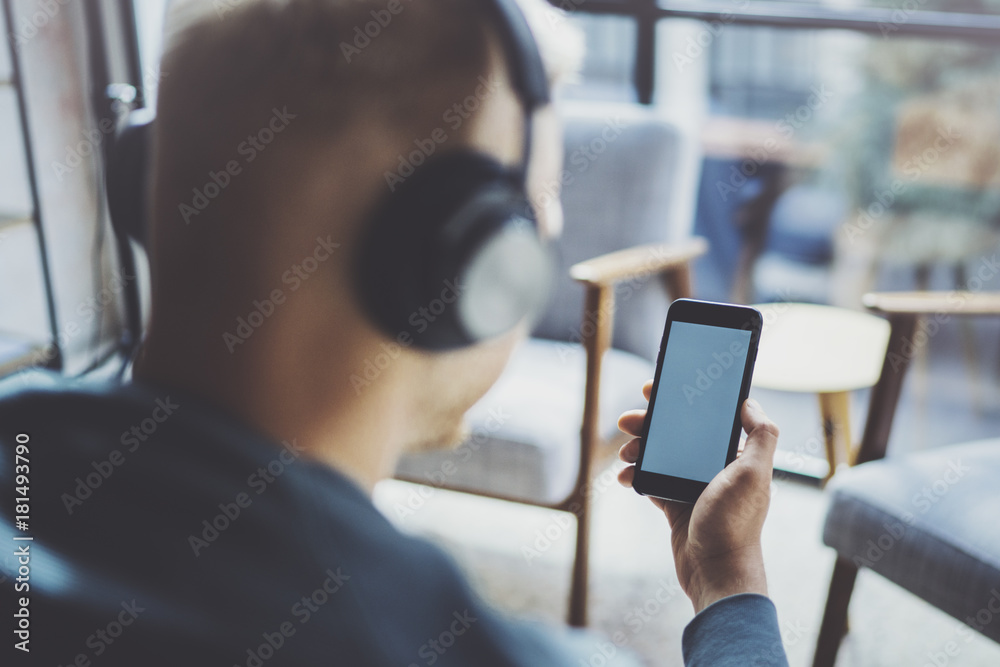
(599, 299)
(834, 625)
(885, 393)
(581, 567)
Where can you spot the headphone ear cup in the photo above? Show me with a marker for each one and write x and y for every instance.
(507, 280)
(446, 258)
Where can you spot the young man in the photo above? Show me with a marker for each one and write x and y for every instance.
(217, 509)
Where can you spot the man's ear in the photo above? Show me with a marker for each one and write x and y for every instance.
(546, 172)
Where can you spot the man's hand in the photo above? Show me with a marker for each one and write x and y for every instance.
(716, 541)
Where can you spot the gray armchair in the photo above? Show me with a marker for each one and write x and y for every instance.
(539, 431)
(928, 521)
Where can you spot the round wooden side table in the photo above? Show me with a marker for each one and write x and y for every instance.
(826, 351)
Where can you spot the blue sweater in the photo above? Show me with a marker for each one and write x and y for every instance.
(167, 533)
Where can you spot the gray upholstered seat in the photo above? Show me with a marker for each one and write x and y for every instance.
(526, 430)
(620, 190)
(929, 522)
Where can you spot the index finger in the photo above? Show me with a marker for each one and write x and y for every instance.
(631, 422)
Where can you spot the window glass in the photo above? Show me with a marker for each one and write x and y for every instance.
(22, 295)
(609, 63)
(837, 163)
(149, 16)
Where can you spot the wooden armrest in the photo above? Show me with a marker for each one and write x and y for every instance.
(637, 262)
(931, 303)
(903, 309)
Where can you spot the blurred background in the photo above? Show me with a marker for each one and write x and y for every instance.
(827, 149)
(833, 148)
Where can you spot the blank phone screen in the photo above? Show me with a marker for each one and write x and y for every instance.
(696, 401)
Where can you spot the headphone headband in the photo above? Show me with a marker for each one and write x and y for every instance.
(524, 60)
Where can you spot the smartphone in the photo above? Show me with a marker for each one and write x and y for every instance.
(703, 373)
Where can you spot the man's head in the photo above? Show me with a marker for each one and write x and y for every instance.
(280, 124)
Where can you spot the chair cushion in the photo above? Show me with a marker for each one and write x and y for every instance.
(525, 440)
(623, 181)
(928, 522)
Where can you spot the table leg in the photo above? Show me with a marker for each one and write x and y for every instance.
(835, 410)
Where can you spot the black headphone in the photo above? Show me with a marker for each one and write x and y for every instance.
(452, 255)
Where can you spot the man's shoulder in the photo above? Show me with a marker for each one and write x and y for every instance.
(38, 387)
(198, 532)
(218, 535)
(46, 402)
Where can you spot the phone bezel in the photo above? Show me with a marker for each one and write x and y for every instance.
(708, 313)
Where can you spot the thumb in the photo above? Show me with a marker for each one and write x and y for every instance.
(762, 436)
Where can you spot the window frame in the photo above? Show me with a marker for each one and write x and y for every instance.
(871, 20)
